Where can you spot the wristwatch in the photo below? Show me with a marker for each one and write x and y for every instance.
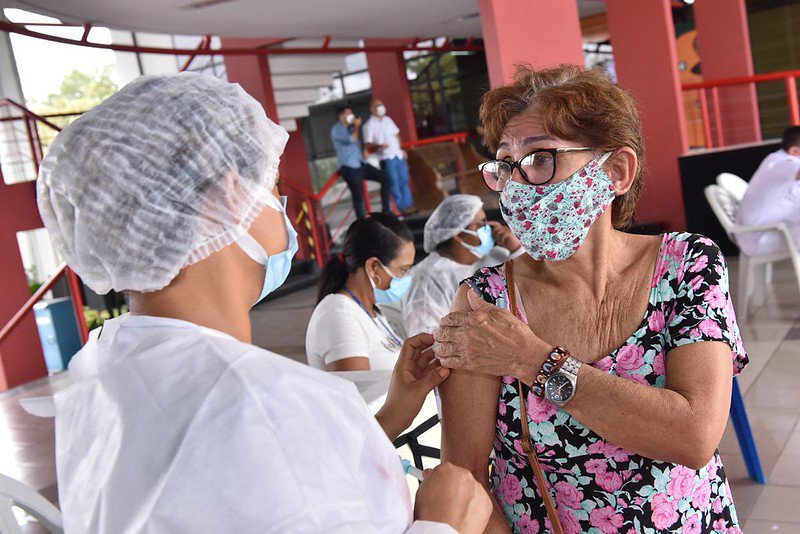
(559, 388)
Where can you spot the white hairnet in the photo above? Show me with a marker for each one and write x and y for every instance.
(449, 219)
(164, 173)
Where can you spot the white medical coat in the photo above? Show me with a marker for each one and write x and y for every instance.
(172, 427)
(433, 286)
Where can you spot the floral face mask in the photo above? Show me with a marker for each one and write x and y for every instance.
(552, 221)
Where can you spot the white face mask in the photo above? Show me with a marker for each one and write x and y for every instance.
(350, 118)
(380, 110)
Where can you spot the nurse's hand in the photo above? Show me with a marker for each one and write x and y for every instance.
(451, 495)
(415, 374)
(489, 340)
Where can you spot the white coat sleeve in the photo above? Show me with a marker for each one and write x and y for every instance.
(430, 527)
(426, 304)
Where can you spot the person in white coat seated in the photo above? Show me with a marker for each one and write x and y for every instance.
(773, 196)
(175, 421)
(459, 240)
(348, 331)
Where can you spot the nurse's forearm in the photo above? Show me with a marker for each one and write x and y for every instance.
(392, 422)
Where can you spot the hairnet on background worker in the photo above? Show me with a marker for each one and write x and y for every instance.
(175, 422)
(451, 258)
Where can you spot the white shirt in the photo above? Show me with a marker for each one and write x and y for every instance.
(172, 427)
(340, 329)
(772, 196)
(434, 284)
(383, 131)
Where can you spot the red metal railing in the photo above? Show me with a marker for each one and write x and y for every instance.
(319, 217)
(31, 122)
(714, 134)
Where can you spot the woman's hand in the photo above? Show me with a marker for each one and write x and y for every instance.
(489, 340)
(504, 237)
(415, 374)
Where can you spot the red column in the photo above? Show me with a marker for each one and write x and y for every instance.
(723, 43)
(646, 57)
(539, 32)
(21, 357)
(252, 73)
(387, 71)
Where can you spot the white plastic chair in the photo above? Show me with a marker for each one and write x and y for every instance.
(15, 493)
(733, 184)
(725, 206)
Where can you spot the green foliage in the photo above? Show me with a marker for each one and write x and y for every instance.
(96, 318)
(80, 91)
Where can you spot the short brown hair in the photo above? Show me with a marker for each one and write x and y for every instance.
(575, 104)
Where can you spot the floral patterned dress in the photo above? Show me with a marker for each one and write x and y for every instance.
(597, 486)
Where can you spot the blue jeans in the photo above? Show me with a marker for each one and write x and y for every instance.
(397, 169)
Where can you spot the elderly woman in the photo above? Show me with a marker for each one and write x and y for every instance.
(614, 371)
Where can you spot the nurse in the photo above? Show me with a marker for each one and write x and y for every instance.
(459, 241)
(348, 331)
(175, 422)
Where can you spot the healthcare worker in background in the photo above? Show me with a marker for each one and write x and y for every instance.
(459, 241)
(175, 422)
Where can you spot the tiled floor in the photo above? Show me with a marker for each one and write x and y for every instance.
(770, 384)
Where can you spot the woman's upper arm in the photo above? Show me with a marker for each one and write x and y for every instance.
(469, 413)
(342, 342)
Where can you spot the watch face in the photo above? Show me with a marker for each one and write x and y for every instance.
(559, 388)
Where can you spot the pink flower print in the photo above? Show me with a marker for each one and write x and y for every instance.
(559, 197)
(662, 267)
(659, 364)
(656, 321)
(639, 379)
(696, 282)
(609, 480)
(502, 466)
(715, 297)
(502, 427)
(720, 525)
(712, 469)
(526, 525)
(716, 506)
(681, 482)
(595, 466)
(629, 358)
(710, 328)
(501, 408)
(665, 512)
(604, 364)
(539, 410)
(702, 495)
(699, 265)
(606, 519)
(511, 489)
(496, 284)
(568, 521)
(692, 525)
(568, 495)
(509, 380)
(518, 448)
(734, 530)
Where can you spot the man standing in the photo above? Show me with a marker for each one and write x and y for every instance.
(383, 135)
(352, 167)
(773, 196)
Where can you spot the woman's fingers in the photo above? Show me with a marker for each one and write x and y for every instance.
(455, 319)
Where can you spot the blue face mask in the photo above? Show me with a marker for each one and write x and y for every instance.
(277, 266)
(398, 287)
(486, 236)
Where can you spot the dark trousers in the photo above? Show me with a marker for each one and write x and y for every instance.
(354, 178)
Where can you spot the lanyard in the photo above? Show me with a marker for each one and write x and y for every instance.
(394, 339)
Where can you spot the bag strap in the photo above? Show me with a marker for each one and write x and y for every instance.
(527, 442)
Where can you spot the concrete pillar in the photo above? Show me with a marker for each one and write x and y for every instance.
(387, 71)
(723, 43)
(650, 73)
(21, 357)
(252, 73)
(541, 33)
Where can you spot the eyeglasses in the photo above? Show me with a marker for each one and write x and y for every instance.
(537, 167)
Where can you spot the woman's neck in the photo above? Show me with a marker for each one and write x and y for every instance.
(358, 283)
